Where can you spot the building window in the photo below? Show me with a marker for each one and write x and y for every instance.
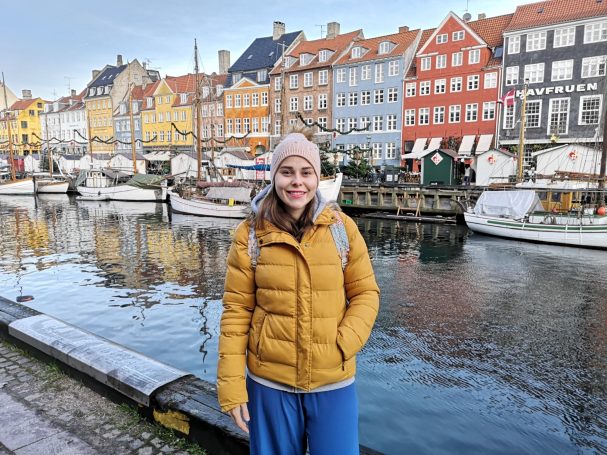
(514, 44)
(378, 123)
(455, 113)
(558, 116)
(262, 75)
(442, 38)
(456, 84)
(264, 98)
(509, 117)
(307, 103)
(426, 63)
(590, 110)
(489, 110)
(564, 37)
(390, 150)
(322, 101)
(457, 59)
(158, 100)
(352, 121)
(474, 56)
(376, 148)
(441, 61)
(308, 79)
(255, 125)
(353, 77)
(439, 115)
(356, 52)
(340, 75)
(392, 95)
(594, 66)
(160, 117)
(340, 124)
(277, 127)
(490, 80)
(424, 88)
(364, 122)
(473, 82)
(255, 99)
(458, 36)
(424, 116)
(277, 105)
(440, 86)
(533, 113)
(384, 47)
(391, 122)
(378, 96)
(562, 70)
(472, 112)
(246, 125)
(536, 41)
(323, 55)
(183, 98)
(246, 100)
(293, 104)
(512, 75)
(341, 99)
(323, 77)
(184, 115)
(410, 89)
(353, 99)
(293, 81)
(379, 73)
(365, 97)
(237, 126)
(237, 100)
(393, 68)
(277, 83)
(322, 122)
(304, 59)
(594, 33)
(409, 117)
(167, 99)
(365, 73)
(534, 73)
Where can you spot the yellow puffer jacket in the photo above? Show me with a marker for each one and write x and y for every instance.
(287, 320)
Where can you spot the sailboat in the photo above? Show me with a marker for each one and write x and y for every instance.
(9, 184)
(209, 198)
(50, 184)
(579, 219)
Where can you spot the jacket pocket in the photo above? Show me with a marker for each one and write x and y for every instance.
(260, 336)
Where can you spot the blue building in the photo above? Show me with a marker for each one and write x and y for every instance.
(123, 130)
(368, 93)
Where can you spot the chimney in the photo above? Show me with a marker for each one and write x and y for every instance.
(119, 60)
(73, 92)
(26, 94)
(224, 60)
(332, 30)
(95, 74)
(482, 16)
(278, 30)
(403, 29)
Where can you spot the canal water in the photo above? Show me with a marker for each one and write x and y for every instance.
(481, 346)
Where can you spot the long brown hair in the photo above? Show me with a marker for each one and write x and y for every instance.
(273, 210)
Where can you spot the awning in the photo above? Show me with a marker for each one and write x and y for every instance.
(434, 144)
(417, 150)
(465, 148)
(484, 143)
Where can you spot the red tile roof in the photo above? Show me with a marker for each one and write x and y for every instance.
(21, 105)
(137, 92)
(337, 45)
(554, 12)
(425, 36)
(491, 29)
(402, 40)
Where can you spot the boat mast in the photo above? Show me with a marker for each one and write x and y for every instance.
(132, 131)
(604, 148)
(521, 139)
(283, 108)
(48, 148)
(10, 137)
(198, 115)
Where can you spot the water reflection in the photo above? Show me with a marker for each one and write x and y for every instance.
(482, 345)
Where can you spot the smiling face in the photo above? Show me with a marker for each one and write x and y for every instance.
(295, 183)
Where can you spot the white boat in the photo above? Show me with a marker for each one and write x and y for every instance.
(520, 215)
(23, 186)
(330, 187)
(51, 186)
(218, 201)
(117, 186)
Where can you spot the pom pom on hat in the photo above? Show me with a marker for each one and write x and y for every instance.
(295, 144)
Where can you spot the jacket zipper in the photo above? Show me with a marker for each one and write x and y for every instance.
(263, 323)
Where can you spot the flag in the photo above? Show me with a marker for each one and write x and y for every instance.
(508, 98)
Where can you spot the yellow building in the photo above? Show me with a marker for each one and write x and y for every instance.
(24, 125)
(167, 114)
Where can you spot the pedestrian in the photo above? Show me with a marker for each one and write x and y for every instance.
(295, 314)
(467, 175)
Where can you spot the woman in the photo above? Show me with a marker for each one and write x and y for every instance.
(294, 321)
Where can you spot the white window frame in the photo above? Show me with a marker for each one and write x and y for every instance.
(456, 84)
(293, 81)
(378, 96)
(473, 82)
(425, 88)
(340, 75)
(514, 44)
(425, 64)
(424, 116)
(595, 32)
(599, 110)
(379, 73)
(308, 103)
(442, 38)
(340, 99)
(489, 110)
(474, 56)
(458, 35)
(455, 110)
(410, 89)
(534, 73)
(353, 99)
(490, 80)
(391, 122)
(365, 72)
(393, 95)
(438, 117)
(365, 97)
(441, 61)
(595, 66)
(323, 77)
(393, 68)
(440, 86)
(277, 83)
(457, 59)
(410, 117)
(529, 115)
(551, 112)
(512, 75)
(471, 112)
(562, 70)
(293, 104)
(353, 77)
(536, 41)
(322, 101)
(308, 79)
(563, 37)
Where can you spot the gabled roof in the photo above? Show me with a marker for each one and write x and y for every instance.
(491, 29)
(402, 41)
(22, 104)
(425, 36)
(107, 76)
(554, 12)
(263, 53)
(337, 45)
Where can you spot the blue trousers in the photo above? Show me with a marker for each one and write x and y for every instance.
(284, 423)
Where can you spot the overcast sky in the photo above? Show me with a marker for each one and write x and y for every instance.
(48, 46)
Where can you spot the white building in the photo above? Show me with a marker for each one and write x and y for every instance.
(568, 158)
(494, 166)
(64, 125)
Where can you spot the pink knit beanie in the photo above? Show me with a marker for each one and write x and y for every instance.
(295, 144)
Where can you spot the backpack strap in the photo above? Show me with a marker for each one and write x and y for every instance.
(338, 232)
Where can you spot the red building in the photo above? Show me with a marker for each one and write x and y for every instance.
(451, 93)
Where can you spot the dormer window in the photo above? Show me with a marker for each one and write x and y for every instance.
(262, 75)
(149, 101)
(205, 92)
(135, 107)
(289, 61)
(99, 90)
(122, 108)
(304, 59)
(107, 89)
(236, 77)
(183, 98)
(323, 55)
(356, 52)
(385, 47)
(219, 89)
(92, 91)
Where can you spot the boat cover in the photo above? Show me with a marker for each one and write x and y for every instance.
(508, 204)
(146, 181)
(238, 194)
